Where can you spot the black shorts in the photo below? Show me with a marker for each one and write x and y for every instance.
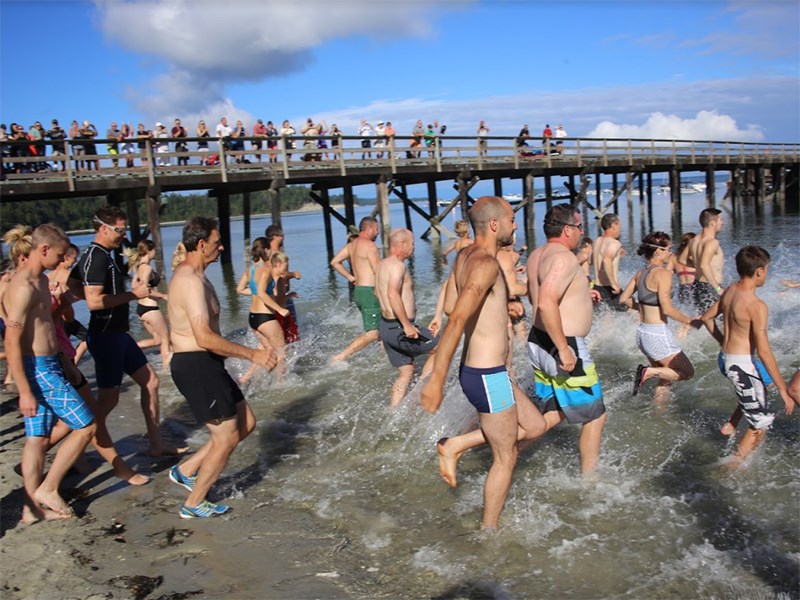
(366, 143)
(201, 378)
(142, 309)
(256, 320)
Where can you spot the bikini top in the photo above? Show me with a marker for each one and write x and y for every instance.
(253, 284)
(646, 296)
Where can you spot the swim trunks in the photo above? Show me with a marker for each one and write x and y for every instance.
(114, 354)
(609, 298)
(576, 394)
(202, 379)
(704, 295)
(488, 390)
(685, 294)
(256, 320)
(750, 391)
(367, 302)
(762, 370)
(142, 309)
(289, 326)
(56, 398)
(656, 341)
(402, 350)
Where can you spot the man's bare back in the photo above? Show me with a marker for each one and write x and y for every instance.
(390, 277)
(705, 255)
(605, 259)
(554, 264)
(364, 259)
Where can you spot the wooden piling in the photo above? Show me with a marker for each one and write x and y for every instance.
(224, 215)
(382, 195)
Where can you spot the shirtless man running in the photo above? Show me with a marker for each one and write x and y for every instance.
(363, 255)
(45, 395)
(476, 299)
(606, 252)
(704, 253)
(567, 386)
(198, 368)
(403, 340)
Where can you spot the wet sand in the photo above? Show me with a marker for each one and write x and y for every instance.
(128, 542)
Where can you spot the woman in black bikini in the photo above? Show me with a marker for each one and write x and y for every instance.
(147, 308)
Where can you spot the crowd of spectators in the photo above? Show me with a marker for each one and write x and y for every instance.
(167, 145)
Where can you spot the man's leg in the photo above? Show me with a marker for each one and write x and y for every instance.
(404, 375)
(500, 430)
(224, 439)
(33, 453)
(107, 399)
(358, 344)
(71, 448)
(589, 445)
(751, 440)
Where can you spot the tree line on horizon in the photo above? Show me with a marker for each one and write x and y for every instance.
(75, 214)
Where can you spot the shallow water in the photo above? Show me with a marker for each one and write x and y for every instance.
(661, 519)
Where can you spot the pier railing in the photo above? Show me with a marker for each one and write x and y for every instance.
(301, 156)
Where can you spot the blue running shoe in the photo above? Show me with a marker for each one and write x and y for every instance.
(203, 510)
(185, 481)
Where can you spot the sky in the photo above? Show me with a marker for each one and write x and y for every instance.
(694, 69)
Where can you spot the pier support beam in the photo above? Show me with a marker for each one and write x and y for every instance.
(498, 187)
(246, 225)
(711, 188)
(675, 199)
(382, 194)
(224, 217)
(548, 191)
(275, 200)
(349, 205)
(154, 224)
(529, 212)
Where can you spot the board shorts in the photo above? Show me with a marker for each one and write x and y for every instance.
(656, 341)
(367, 302)
(762, 370)
(488, 390)
(209, 389)
(704, 296)
(609, 298)
(750, 388)
(402, 350)
(114, 354)
(685, 294)
(576, 394)
(56, 398)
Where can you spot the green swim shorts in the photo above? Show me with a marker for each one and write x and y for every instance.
(367, 303)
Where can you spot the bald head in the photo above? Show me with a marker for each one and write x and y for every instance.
(399, 237)
(485, 209)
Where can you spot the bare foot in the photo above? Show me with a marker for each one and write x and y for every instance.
(167, 451)
(448, 463)
(130, 476)
(337, 359)
(728, 429)
(30, 516)
(54, 502)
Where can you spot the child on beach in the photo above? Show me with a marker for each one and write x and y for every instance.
(745, 318)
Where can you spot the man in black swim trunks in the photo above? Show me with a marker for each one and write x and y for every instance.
(198, 368)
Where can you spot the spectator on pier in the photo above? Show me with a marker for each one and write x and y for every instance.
(389, 132)
(483, 133)
(223, 132)
(78, 149)
(161, 146)
(89, 132)
(237, 141)
(142, 135)
(336, 135)
(310, 131)
(37, 133)
(259, 132)
(430, 139)
(57, 135)
(417, 136)
(288, 131)
(366, 131)
(560, 135)
(322, 143)
(547, 134)
(127, 135)
(439, 130)
(522, 140)
(113, 134)
(272, 144)
(202, 145)
(179, 131)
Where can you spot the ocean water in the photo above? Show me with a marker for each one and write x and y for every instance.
(661, 519)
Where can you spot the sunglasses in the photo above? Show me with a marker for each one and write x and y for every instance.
(578, 226)
(119, 230)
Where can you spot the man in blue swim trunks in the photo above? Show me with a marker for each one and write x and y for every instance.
(97, 278)
(566, 378)
(476, 299)
(45, 395)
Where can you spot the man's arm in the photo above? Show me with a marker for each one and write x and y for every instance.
(18, 301)
(480, 274)
(193, 301)
(759, 319)
(336, 262)
(709, 320)
(97, 300)
(709, 250)
(394, 292)
(552, 288)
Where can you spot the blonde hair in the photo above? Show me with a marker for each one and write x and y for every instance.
(461, 228)
(134, 255)
(278, 257)
(178, 255)
(20, 238)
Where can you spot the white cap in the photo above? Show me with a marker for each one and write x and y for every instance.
(159, 125)
(380, 123)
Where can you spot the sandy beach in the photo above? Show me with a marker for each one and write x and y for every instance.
(128, 542)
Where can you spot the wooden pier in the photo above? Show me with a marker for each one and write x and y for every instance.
(635, 165)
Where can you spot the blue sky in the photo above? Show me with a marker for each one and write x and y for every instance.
(700, 69)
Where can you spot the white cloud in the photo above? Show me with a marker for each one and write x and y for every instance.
(706, 125)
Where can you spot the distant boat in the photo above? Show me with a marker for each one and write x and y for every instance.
(513, 197)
